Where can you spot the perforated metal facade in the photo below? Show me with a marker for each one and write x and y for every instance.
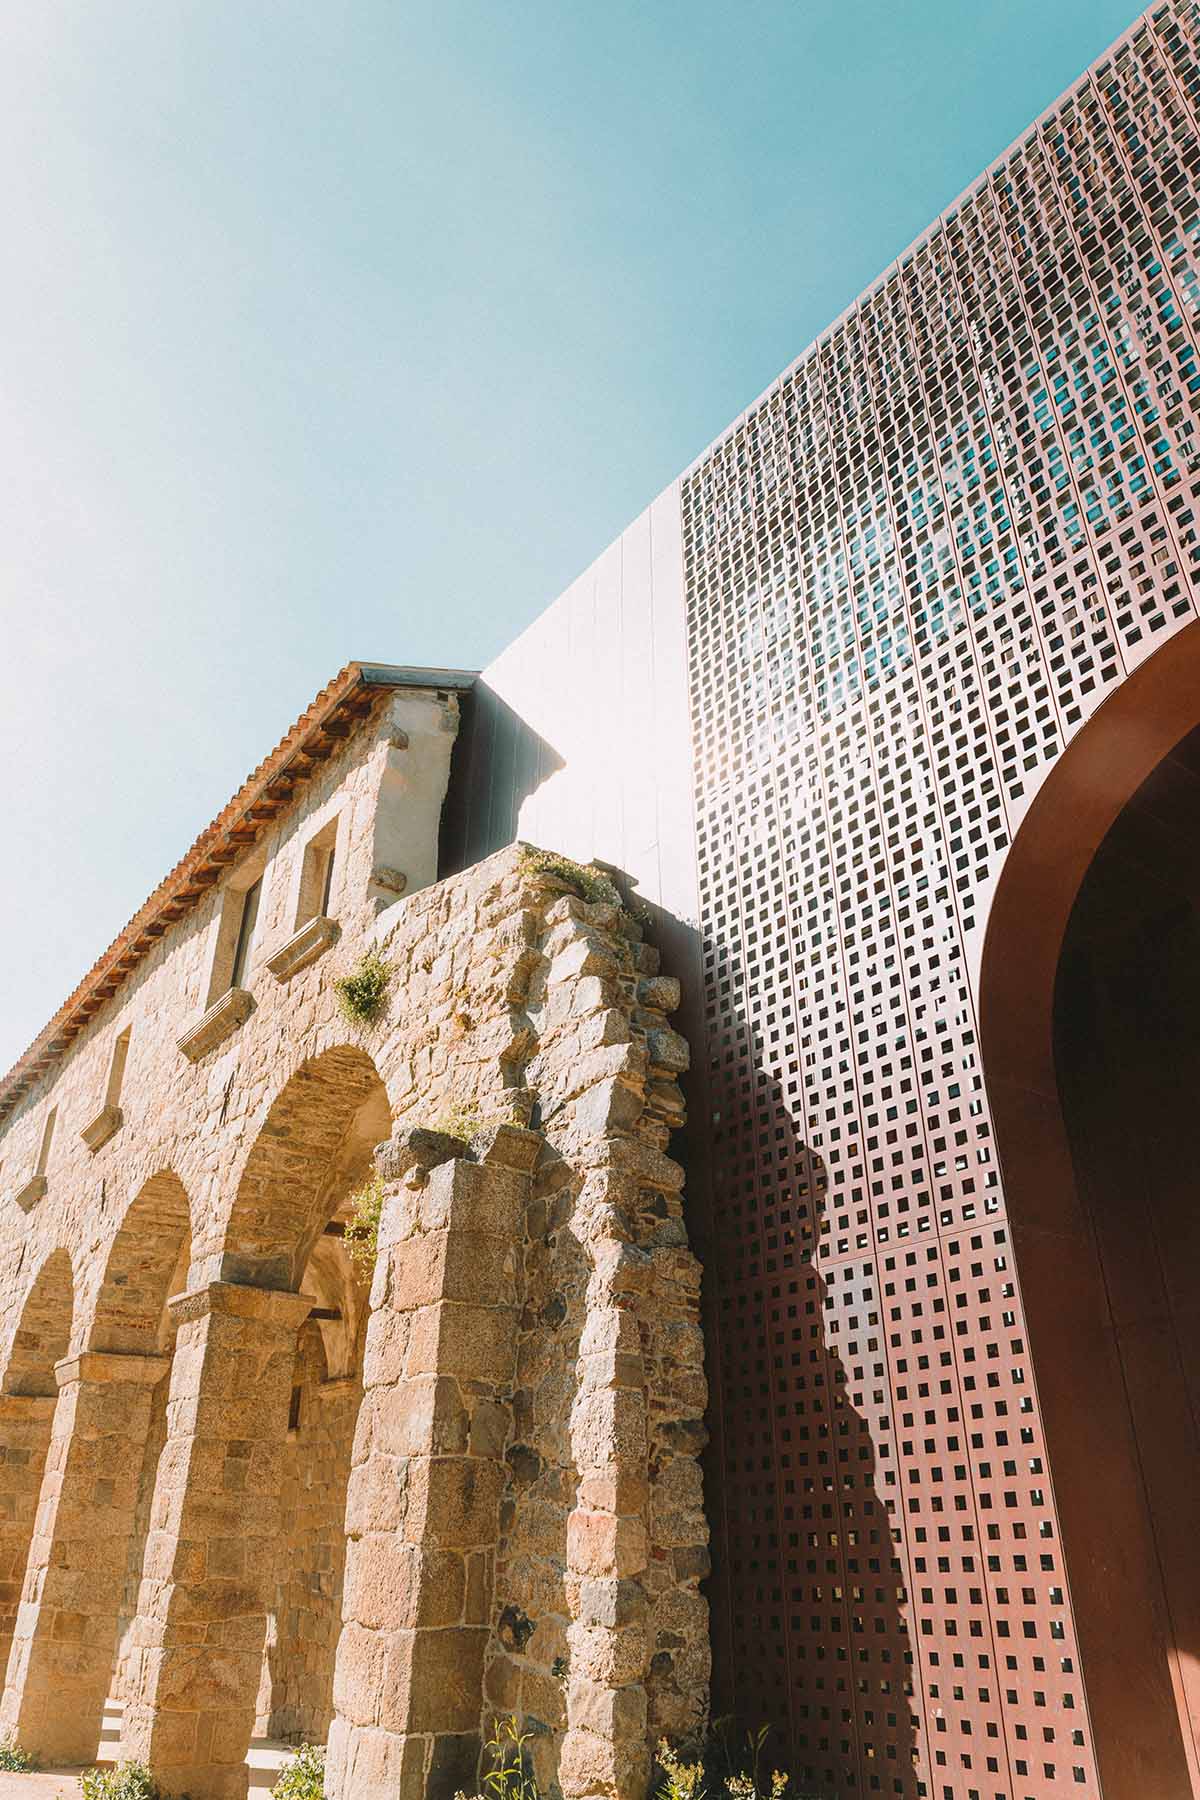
(913, 570)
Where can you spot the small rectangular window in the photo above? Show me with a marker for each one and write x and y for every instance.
(327, 885)
(116, 1068)
(235, 936)
(316, 875)
(245, 936)
(47, 1137)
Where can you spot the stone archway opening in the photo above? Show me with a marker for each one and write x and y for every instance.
(70, 1643)
(1090, 1030)
(295, 1697)
(28, 1395)
(246, 1549)
(149, 1264)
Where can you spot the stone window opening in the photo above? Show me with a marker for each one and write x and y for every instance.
(47, 1140)
(244, 942)
(35, 1187)
(110, 1117)
(228, 1003)
(236, 932)
(316, 875)
(314, 929)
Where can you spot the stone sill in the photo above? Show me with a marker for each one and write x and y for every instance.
(230, 1011)
(109, 1120)
(303, 947)
(28, 1196)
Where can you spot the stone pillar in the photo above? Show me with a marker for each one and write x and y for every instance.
(605, 1075)
(64, 1644)
(208, 1576)
(423, 1509)
(25, 1423)
(608, 1546)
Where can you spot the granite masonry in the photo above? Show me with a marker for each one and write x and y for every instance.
(245, 1488)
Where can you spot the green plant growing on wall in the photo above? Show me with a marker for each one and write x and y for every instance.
(508, 1777)
(361, 993)
(304, 1776)
(459, 1121)
(738, 1764)
(14, 1760)
(361, 1236)
(681, 1780)
(130, 1781)
(590, 883)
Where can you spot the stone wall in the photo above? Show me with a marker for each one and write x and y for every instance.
(529, 1355)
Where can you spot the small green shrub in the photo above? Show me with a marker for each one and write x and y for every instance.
(590, 883)
(360, 994)
(459, 1121)
(362, 1233)
(680, 1780)
(722, 1765)
(508, 1777)
(304, 1776)
(130, 1781)
(14, 1760)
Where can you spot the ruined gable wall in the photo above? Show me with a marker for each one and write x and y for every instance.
(511, 1000)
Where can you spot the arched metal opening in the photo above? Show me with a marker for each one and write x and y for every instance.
(1090, 1026)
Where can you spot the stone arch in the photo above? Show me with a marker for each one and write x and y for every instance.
(315, 1134)
(142, 1268)
(28, 1395)
(1120, 1590)
(249, 1513)
(147, 1262)
(43, 1332)
(84, 1558)
(311, 1153)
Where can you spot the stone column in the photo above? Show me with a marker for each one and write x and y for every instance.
(64, 1644)
(25, 1423)
(208, 1576)
(608, 1547)
(423, 1509)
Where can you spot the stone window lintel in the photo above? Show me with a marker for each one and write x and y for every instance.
(98, 1130)
(303, 947)
(231, 1010)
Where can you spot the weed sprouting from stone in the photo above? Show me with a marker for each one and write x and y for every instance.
(508, 1777)
(361, 993)
(362, 1233)
(129, 1781)
(459, 1121)
(14, 1760)
(304, 1776)
(680, 1780)
(589, 882)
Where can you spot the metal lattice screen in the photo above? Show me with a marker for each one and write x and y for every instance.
(914, 569)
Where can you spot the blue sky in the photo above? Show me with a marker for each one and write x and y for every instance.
(354, 328)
